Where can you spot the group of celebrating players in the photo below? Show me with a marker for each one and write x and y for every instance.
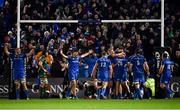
(109, 72)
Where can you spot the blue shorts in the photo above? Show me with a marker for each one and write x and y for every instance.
(139, 79)
(116, 77)
(73, 76)
(165, 79)
(18, 75)
(120, 77)
(103, 78)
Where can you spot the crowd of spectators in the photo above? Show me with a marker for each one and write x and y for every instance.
(94, 36)
(90, 9)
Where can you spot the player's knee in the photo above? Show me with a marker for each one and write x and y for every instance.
(17, 84)
(105, 84)
(73, 83)
(42, 85)
(162, 85)
(137, 85)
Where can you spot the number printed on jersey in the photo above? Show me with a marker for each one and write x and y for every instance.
(169, 67)
(138, 63)
(103, 64)
(120, 63)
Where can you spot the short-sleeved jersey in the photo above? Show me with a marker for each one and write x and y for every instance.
(167, 66)
(18, 62)
(73, 64)
(90, 61)
(84, 71)
(137, 61)
(103, 66)
(120, 65)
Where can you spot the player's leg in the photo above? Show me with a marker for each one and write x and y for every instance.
(120, 86)
(23, 82)
(103, 89)
(164, 84)
(120, 90)
(125, 83)
(47, 88)
(141, 90)
(42, 87)
(17, 84)
(97, 86)
(73, 87)
(116, 89)
(141, 80)
(109, 89)
(137, 93)
(16, 78)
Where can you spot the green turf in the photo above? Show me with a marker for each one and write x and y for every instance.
(54, 104)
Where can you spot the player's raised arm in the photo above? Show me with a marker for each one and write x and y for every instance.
(94, 71)
(86, 54)
(121, 54)
(65, 56)
(30, 53)
(6, 49)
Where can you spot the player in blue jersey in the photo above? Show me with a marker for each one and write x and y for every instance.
(120, 76)
(90, 61)
(137, 66)
(103, 72)
(165, 70)
(18, 65)
(83, 69)
(73, 68)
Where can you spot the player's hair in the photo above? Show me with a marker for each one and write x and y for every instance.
(139, 51)
(103, 53)
(165, 55)
(44, 52)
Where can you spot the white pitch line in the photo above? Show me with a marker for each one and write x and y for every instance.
(80, 109)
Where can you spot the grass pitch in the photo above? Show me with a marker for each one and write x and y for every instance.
(81, 104)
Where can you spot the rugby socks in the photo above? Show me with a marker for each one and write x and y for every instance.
(141, 92)
(120, 95)
(17, 93)
(68, 92)
(26, 93)
(148, 93)
(137, 93)
(42, 92)
(103, 91)
(98, 93)
(107, 91)
(168, 92)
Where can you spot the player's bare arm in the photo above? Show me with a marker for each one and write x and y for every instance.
(65, 56)
(93, 74)
(86, 54)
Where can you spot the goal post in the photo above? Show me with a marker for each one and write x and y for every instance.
(19, 21)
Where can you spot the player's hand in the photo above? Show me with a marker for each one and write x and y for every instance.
(90, 51)
(158, 75)
(148, 74)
